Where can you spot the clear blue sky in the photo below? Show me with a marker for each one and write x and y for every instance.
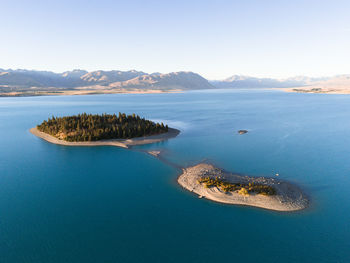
(214, 38)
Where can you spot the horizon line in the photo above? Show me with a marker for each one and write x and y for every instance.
(202, 75)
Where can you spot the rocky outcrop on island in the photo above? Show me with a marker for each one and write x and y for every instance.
(214, 184)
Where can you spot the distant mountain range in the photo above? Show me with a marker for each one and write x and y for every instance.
(107, 79)
(239, 81)
(30, 82)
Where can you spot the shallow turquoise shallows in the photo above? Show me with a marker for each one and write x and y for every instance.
(107, 204)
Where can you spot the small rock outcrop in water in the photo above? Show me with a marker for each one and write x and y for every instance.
(154, 153)
(242, 131)
(212, 183)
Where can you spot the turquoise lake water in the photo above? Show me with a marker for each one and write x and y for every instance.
(107, 204)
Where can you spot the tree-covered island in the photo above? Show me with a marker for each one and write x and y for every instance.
(93, 127)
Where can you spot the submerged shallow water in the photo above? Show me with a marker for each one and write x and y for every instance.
(107, 204)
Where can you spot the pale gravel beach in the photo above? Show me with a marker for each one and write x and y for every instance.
(289, 197)
(124, 143)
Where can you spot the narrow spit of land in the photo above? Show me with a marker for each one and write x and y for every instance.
(214, 184)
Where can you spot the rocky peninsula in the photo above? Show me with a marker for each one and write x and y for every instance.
(217, 185)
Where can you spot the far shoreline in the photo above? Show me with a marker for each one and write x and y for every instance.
(123, 143)
(312, 90)
(82, 92)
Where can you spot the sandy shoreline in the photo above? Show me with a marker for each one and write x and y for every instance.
(289, 197)
(124, 143)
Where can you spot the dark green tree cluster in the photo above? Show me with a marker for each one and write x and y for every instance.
(230, 187)
(88, 127)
